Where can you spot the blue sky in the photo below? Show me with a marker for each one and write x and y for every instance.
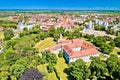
(59, 4)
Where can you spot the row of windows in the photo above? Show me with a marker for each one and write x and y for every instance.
(85, 58)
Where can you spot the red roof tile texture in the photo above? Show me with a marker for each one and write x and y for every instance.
(68, 45)
(86, 49)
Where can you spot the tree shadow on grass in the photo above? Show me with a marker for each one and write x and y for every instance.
(67, 71)
(118, 53)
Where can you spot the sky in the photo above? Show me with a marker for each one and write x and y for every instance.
(60, 4)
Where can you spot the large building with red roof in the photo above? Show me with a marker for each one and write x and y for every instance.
(75, 49)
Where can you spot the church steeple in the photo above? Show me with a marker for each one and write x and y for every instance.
(60, 39)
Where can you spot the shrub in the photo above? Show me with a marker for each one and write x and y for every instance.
(60, 54)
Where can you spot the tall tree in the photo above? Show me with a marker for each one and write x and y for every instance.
(98, 68)
(99, 40)
(31, 74)
(8, 34)
(113, 64)
(17, 70)
(78, 70)
(117, 41)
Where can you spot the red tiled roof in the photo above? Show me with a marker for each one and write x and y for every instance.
(87, 49)
(81, 53)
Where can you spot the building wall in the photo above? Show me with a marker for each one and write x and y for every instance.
(66, 56)
(85, 58)
(56, 51)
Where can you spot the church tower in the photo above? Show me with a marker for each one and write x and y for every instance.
(60, 39)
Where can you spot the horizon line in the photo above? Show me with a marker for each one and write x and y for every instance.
(62, 9)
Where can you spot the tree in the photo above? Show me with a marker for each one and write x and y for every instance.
(42, 36)
(106, 48)
(4, 72)
(8, 53)
(89, 37)
(12, 57)
(37, 58)
(13, 77)
(28, 51)
(23, 61)
(48, 57)
(8, 34)
(17, 70)
(70, 36)
(98, 41)
(112, 44)
(60, 54)
(100, 28)
(113, 64)
(31, 74)
(116, 73)
(76, 33)
(50, 67)
(25, 29)
(10, 43)
(98, 68)
(117, 41)
(51, 32)
(56, 37)
(8, 24)
(60, 30)
(110, 31)
(51, 58)
(78, 70)
(21, 34)
(108, 38)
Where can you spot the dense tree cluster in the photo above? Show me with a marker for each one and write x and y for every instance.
(22, 46)
(117, 41)
(14, 65)
(98, 69)
(98, 27)
(103, 45)
(107, 29)
(8, 34)
(49, 58)
(78, 70)
(10, 24)
(89, 37)
(17, 70)
(55, 33)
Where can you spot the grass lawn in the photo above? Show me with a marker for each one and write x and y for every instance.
(61, 65)
(88, 64)
(85, 40)
(45, 44)
(115, 50)
(1, 35)
(50, 76)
